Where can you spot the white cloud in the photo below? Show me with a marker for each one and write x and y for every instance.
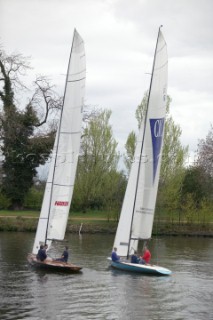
(120, 37)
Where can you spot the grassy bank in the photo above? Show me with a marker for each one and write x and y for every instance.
(100, 222)
(92, 222)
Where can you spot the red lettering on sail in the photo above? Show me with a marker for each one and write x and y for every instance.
(61, 203)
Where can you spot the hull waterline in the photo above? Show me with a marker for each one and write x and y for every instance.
(53, 265)
(141, 268)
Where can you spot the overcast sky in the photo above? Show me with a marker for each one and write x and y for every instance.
(120, 38)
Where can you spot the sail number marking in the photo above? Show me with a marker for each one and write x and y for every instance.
(158, 128)
(61, 203)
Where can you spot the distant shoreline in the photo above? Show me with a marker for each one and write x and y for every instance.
(92, 226)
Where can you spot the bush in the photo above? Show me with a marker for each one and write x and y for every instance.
(4, 202)
(33, 200)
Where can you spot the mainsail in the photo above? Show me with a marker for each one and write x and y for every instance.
(137, 214)
(60, 183)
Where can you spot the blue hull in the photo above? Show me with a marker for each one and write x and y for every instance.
(141, 268)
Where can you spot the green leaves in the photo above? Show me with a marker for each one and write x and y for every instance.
(98, 181)
(22, 147)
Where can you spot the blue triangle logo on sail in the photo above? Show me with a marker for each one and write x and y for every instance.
(157, 126)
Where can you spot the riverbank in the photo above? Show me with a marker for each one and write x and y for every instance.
(104, 225)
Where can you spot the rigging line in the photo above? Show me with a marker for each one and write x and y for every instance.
(63, 185)
(163, 65)
(76, 73)
(77, 80)
(72, 132)
(78, 44)
(160, 49)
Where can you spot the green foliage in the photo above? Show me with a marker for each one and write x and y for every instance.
(130, 149)
(22, 146)
(172, 166)
(33, 199)
(97, 178)
(113, 190)
(174, 154)
(189, 208)
(206, 211)
(169, 192)
(197, 183)
(22, 152)
(141, 109)
(4, 202)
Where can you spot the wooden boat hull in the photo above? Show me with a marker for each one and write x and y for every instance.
(52, 265)
(141, 268)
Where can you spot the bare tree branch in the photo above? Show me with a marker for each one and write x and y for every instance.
(45, 99)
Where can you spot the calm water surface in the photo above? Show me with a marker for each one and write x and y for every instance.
(102, 293)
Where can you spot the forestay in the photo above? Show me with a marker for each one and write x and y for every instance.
(59, 187)
(137, 214)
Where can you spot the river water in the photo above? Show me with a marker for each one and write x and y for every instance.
(99, 292)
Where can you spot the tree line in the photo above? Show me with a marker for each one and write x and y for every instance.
(26, 141)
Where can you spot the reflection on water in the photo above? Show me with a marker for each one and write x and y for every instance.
(100, 292)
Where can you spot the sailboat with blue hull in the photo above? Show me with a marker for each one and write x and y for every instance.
(141, 268)
(137, 214)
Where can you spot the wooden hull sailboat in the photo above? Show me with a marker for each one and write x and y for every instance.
(137, 214)
(60, 182)
(52, 264)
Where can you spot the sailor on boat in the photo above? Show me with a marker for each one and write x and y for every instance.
(64, 256)
(145, 258)
(134, 258)
(41, 255)
(114, 255)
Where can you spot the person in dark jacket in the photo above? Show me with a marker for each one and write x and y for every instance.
(64, 256)
(134, 258)
(41, 255)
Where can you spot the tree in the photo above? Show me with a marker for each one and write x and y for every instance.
(132, 137)
(198, 183)
(205, 153)
(98, 160)
(24, 147)
(141, 109)
(130, 149)
(113, 189)
(172, 167)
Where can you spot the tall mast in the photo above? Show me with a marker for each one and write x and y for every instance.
(142, 144)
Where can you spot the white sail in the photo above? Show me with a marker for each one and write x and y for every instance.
(60, 183)
(137, 214)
